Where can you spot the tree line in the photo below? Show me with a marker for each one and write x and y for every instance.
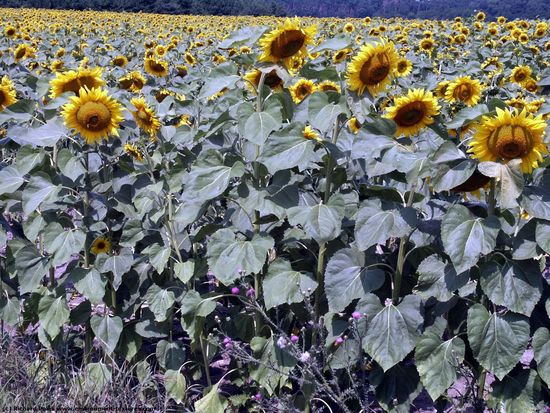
(429, 9)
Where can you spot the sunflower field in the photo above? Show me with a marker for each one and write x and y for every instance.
(259, 214)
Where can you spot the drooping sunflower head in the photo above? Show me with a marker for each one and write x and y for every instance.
(403, 67)
(7, 93)
(101, 245)
(510, 135)
(340, 55)
(520, 74)
(464, 89)
(531, 85)
(272, 80)
(329, 86)
(413, 112)
(156, 67)
(182, 70)
(94, 114)
(133, 151)
(287, 40)
(354, 125)
(23, 51)
(441, 89)
(301, 89)
(133, 81)
(120, 61)
(309, 133)
(73, 81)
(145, 116)
(372, 68)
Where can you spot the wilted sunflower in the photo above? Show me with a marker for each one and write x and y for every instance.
(120, 61)
(156, 67)
(465, 90)
(287, 40)
(329, 85)
(372, 68)
(100, 245)
(510, 135)
(145, 117)
(133, 81)
(301, 89)
(133, 151)
(413, 112)
(94, 114)
(309, 133)
(73, 81)
(7, 93)
(521, 74)
(404, 67)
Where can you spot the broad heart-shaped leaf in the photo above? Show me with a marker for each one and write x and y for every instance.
(334, 43)
(536, 201)
(31, 268)
(90, 283)
(70, 165)
(170, 355)
(107, 330)
(323, 116)
(392, 331)
(117, 264)
(160, 301)
(518, 392)
(497, 341)
(274, 366)
(158, 256)
(437, 360)
(287, 149)
(322, 222)
(438, 279)
(510, 180)
(209, 177)
(396, 388)
(175, 385)
(229, 256)
(453, 173)
(347, 278)
(258, 127)
(517, 285)
(283, 285)
(466, 237)
(375, 225)
(11, 180)
(212, 402)
(9, 310)
(541, 347)
(53, 313)
(63, 244)
(215, 85)
(542, 235)
(39, 189)
(45, 135)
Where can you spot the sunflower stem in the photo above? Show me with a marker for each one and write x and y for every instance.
(491, 202)
(396, 291)
(85, 207)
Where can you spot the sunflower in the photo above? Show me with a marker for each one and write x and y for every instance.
(372, 68)
(184, 120)
(301, 89)
(190, 59)
(133, 81)
(309, 133)
(145, 117)
(510, 135)
(181, 70)
(328, 85)
(426, 45)
(120, 61)
(413, 112)
(156, 67)
(57, 65)
(100, 245)
(404, 67)
(340, 55)
(7, 93)
(354, 125)
(531, 85)
(349, 28)
(10, 31)
(23, 51)
(480, 16)
(93, 113)
(464, 89)
(73, 81)
(287, 40)
(133, 151)
(521, 74)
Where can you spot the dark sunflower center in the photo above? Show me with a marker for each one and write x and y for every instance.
(101, 245)
(157, 67)
(75, 84)
(375, 70)
(20, 53)
(463, 92)
(520, 76)
(510, 142)
(2, 97)
(402, 66)
(411, 114)
(287, 44)
(94, 116)
(272, 79)
(144, 117)
(11, 32)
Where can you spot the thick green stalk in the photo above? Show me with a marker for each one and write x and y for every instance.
(85, 208)
(396, 292)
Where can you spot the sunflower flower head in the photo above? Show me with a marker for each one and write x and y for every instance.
(413, 112)
(301, 89)
(510, 135)
(464, 89)
(74, 80)
(94, 114)
(309, 133)
(145, 117)
(101, 245)
(7, 93)
(286, 41)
